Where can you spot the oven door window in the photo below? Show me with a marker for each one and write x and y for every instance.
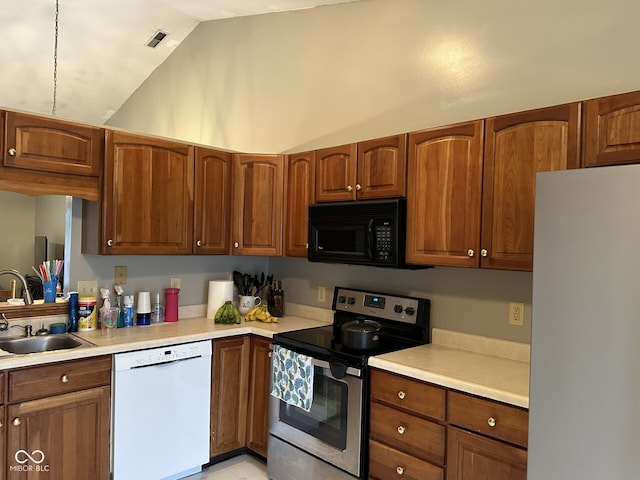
(327, 419)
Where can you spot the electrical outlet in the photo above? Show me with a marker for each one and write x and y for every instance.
(322, 292)
(121, 275)
(87, 288)
(175, 282)
(516, 314)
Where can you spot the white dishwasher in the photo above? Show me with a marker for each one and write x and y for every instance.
(161, 404)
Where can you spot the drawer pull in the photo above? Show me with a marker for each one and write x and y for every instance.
(401, 394)
(16, 421)
(64, 378)
(401, 429)
(1, 424)
(12, 152)
(400, 470)
(491, 421)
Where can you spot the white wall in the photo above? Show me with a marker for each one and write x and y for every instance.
(293, 81)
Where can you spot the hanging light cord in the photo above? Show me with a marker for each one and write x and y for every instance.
(55, 63)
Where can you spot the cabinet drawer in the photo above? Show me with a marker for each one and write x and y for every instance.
(490, 418)
(408, 433)
(386, 463)
(407, 394)
(55, 378)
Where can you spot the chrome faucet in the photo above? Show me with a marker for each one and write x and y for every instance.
(25, 289)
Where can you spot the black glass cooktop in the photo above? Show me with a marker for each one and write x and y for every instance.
(322, 343)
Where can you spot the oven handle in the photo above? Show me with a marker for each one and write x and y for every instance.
(354, 372)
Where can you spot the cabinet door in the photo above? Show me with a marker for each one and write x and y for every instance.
(148, 196)
(612, 130)
(51, 145)
(444, 195)
(229, 382)
(382, 168)
(474, 457)
(71, 431)
(258, 182)
(212, 206)
(516, 148)
(259, 391)
(300, 193)
(336, 173)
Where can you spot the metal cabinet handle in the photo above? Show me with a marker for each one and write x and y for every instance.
(484, 252)
(64, 378)
(236, 244)
(1, 424)
(401, 429)
(349, 188)
(401, 394)
(471, 252)
(491, 421)
(400, 470)
(16, 422)
(358, 187)
(12, 152)
(306, 245)
(199, 243)
(109, 243)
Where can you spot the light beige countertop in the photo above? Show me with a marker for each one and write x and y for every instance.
(487, 367)
(490, 368)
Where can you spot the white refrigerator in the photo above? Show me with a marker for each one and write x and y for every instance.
(584, 421)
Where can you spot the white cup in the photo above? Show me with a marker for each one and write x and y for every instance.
(144, 302)
(247, 302)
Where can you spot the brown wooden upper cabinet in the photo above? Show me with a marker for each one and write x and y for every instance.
(256, 222)
(44, 156)
(147, 205)
(611, 130)
(300, 180)
(366, 170)
(444, 194)
(517, 147)
(51, 145)
(212, 206)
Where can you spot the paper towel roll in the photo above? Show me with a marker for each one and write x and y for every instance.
(219, 292)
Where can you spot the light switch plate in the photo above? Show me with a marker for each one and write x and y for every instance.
(121, 275)
(87, 288)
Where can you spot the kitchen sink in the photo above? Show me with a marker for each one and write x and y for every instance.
(38, 344)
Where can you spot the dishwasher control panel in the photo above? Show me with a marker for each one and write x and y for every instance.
(160, 355)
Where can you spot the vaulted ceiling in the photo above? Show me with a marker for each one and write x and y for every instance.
(102, 52)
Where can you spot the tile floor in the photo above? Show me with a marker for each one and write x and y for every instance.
(242, 467)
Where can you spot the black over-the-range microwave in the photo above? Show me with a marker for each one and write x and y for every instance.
(366, 232)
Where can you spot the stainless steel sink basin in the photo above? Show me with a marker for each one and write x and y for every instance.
(38, 344)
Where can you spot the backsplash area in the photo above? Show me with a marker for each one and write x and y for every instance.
(466, 300)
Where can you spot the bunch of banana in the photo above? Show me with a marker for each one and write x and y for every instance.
(260, 313)
(227, 313)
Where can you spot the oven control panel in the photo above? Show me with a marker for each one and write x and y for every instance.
(391, 307)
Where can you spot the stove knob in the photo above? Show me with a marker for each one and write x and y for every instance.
(397, 308)
(342, 299)
(409, 310)
(351, 300)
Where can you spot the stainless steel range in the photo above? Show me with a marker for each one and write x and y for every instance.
(329, 440)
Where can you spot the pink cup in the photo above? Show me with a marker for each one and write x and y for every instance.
(171, 304)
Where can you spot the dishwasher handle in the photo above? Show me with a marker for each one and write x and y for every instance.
(165, 363)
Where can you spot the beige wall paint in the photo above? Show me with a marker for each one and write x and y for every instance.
(293, 81)
(296, 81)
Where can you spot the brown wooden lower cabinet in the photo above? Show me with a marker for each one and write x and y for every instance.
(59, 415)
(475, 457)
(386, 463)
(259, 390)
(230, 380)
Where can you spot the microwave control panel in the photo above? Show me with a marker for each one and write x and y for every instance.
(383, 240)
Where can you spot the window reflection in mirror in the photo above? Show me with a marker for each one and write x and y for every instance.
(34, 230)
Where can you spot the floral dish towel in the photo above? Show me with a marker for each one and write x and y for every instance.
(292, 377)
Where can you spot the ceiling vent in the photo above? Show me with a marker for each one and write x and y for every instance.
(156, 39)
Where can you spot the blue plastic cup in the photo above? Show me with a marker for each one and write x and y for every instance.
(50, 288)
